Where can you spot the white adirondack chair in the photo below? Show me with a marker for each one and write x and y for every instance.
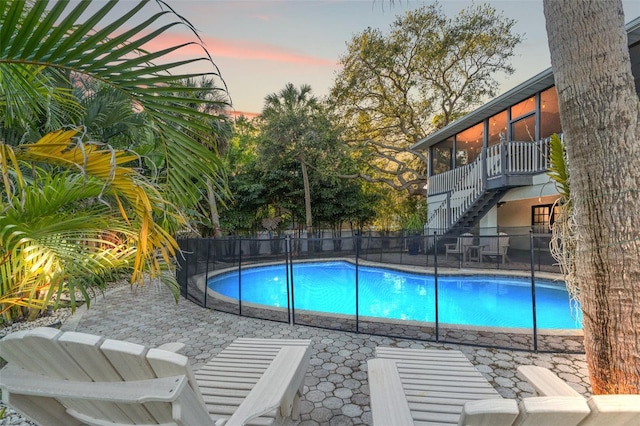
(497, 246)
(69, 378)
(606, 410)
(415, 386)
(460, 247)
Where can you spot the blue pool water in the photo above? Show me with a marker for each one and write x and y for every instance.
(385, 293)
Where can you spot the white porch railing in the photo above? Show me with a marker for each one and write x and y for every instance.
(463, 186)
(527, 157)
(504, 158)
(438, 215)
(444, 182)
(494, 161)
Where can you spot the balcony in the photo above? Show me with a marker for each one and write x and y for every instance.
(466, 193)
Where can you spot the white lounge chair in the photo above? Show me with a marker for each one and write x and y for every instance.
(415, 386)
(460, 247)
(69, 378)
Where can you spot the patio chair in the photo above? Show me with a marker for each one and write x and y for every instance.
(460, 247)
(497, 247)
(416, 386)
(69, 378)
(605, 409)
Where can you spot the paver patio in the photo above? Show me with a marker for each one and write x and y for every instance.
(336, 390)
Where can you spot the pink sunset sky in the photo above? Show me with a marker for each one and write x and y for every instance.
(260, 46)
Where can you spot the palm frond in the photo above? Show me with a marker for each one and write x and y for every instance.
(52, 232)
(58, 34)
(31, 97)
(558, 169)
(75, 226)
(122, 182)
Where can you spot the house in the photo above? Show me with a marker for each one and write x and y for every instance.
(488, 170)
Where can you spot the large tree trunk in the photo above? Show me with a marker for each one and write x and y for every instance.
(600, 121)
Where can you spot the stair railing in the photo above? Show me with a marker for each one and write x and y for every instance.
(466, 191)
(469, 191)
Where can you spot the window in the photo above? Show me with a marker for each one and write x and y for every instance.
(469, 144)
(523, 121)
(524, 130)
(497, 128)
(441, 156)
(549, 113)
(542, 217)
(528, 106)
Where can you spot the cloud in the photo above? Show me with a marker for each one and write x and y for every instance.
(251, 50)
(237, 49)
(264, 18)
(248, 115)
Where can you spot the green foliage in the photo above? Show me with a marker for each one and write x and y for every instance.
(243, 144)
(86, 47)
(558, 168)
(242, 215)
(338, 201)
(75, 213)
(266, 176)
(109, 118)
(295, 128)
(417, 215)
(34, 100)
(414, 223)
(75, 222)
(397, 87)
(290, 127)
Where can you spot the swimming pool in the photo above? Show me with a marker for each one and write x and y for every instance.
(329, 287)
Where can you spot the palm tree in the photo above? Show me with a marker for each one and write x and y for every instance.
(220, 126)
(108, 117)
(61, 229)
(287, 118)
(601, 125)
(34, 100)
(46, 48)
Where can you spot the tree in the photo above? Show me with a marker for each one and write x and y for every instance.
(109, 118)
(34, 101)
(338, 201)
(396, 88)
(294, 128)
(600, 118)
(73, 215)
(242, 214)
(112, 54)
(219, 132)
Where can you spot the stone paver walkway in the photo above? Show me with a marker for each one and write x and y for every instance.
(336, 390)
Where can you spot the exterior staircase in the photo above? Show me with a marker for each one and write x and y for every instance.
(482, 205)
(467, 193)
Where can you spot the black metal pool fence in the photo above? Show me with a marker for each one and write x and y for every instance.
(527, 255)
